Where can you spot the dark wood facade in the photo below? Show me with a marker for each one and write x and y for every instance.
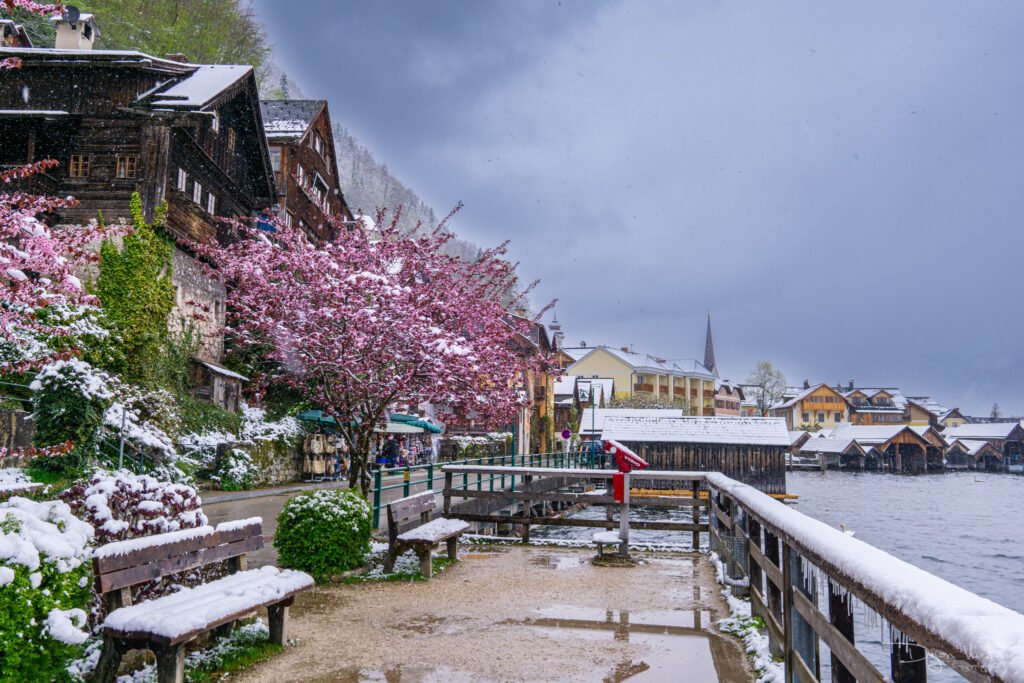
(122, 122)
(763, 467)
(302, 152)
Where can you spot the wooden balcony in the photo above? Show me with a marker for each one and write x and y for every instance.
(643, 388)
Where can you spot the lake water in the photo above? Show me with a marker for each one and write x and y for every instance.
(967, 528)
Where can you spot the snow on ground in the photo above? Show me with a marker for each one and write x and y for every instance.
(15, 479)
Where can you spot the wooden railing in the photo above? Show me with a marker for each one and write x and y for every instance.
(776, 554)
(646, 388)
(542, 484)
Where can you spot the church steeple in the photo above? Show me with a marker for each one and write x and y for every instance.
(557, 336)
(709, 351)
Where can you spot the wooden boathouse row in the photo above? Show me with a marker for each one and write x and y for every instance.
(776, 555)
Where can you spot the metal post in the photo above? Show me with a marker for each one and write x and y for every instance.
(120, 450)
(430, 476)
(406, 482)
(376, 498)
(624, 518)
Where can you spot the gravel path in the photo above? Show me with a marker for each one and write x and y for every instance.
(513, 613)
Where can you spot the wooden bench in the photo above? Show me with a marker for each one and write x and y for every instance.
(166, 624)
(423, 538)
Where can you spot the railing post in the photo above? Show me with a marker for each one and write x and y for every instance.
(447, 493)
(773, 593)
(840, 615)
(376, 498)
(787, 616)
(527, 509)
(909, 661)
(695, 516)
(430, 476)
(801, 637)
(754, 571)
(406, 482)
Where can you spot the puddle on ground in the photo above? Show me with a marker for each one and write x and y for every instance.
(664, 643)
(399, 674)
(561, 561)
(477, 556)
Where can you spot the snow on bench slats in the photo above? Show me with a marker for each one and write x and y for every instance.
(991, 634)
(435, 529)
(193, 609)
(607, 537)
(134, 544)
(236, 524)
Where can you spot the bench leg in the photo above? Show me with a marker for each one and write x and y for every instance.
(278, 624)
(389, 559)
(109, 662)
(426, 566)
(453, 545)
(170, 664)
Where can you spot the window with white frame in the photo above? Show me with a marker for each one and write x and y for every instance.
(300, 174)
(197, 193)
(182, 179)
(275, 157)
(215, 122)
(211, 203)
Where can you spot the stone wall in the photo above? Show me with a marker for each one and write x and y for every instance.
(278, 462)
(16, 429)
(199, 301)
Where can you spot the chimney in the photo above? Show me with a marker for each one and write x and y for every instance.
(851, 385)
(807, 385)
(625, 349)
(75, 30)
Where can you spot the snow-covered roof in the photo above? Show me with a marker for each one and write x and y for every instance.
(201, 87)
(874, 434)
(289, 119)
(971, 446)
(45, 113)
(565, 385)
(804, 393)
(989, 430)
(221, 370)
(754, 431)
(644, 362)
(827, 445)
(592, 418)
(795, 436)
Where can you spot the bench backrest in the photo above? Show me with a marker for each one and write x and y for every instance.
(419, 505)
(119, 566)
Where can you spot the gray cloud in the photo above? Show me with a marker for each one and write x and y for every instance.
(837, 182)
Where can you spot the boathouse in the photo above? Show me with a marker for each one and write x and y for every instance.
(971, 454)
(750, 449)
(901, 448)
(837, 454)
(1006, 437)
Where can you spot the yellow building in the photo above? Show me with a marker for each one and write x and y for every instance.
(645, 377)
(814, 406)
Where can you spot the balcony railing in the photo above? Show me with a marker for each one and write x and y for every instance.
(644, 388)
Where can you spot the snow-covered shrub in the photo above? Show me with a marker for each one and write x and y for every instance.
(122, 505)
(324, 532)
(44, 588)
(70, 399)
(256, 426)
(236, 471)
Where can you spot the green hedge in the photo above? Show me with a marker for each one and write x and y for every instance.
(324, 533)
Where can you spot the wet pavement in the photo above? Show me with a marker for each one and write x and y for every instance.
(514, 613)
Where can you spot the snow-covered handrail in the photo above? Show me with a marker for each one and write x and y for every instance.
(979, 638)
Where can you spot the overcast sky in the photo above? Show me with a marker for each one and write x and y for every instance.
(838, 183)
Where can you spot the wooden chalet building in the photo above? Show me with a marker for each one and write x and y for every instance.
(120, 122)
(305, 166)
(971, 454)
(819, 405)
(901, 448)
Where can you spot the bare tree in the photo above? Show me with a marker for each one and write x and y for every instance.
(768, 385)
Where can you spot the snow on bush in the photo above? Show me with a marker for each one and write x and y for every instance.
(44, 588)
(324, 532)
(236, 472)
(202, 448)
(13, 478)
(122, 505)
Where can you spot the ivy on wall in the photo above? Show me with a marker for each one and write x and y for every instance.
(137, 294)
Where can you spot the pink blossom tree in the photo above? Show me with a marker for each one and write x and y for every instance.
(357, 324)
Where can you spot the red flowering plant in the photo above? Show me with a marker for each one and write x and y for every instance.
(358, 323)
